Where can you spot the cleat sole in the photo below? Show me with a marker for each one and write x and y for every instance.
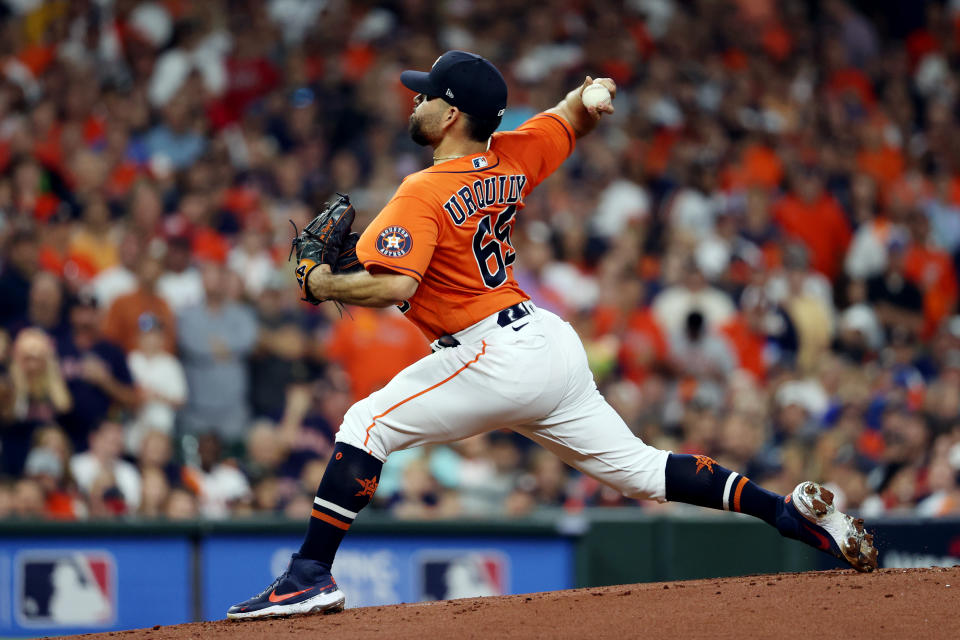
(815, 503)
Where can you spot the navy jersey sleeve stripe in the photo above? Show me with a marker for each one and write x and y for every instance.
(394, 267)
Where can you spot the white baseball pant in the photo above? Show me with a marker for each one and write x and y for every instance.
(530, 376)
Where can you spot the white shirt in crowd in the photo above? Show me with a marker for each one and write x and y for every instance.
(162, 374)
(221, 487)
(85, 468)
(672, 306)
(112, 283)
(621, 203)
(255, 268)
(867, 255)
(694, 212)
(181, 290)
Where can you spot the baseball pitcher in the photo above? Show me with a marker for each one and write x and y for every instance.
(441, 250)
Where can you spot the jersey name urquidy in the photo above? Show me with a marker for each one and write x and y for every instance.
(483, 193)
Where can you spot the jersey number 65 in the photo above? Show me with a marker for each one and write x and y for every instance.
(497, 249)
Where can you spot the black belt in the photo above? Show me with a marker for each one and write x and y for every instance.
(512, 314)
(504, 318)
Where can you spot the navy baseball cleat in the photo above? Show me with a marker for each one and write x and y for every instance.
(305, 587)
(808, 515)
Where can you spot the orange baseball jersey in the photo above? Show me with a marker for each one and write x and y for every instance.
(449, 226)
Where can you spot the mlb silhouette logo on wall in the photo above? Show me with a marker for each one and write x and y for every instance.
(462, 574)
(66, 588)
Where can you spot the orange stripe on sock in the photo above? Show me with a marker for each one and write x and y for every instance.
(417, 395)
(339, 524)
(736, 493)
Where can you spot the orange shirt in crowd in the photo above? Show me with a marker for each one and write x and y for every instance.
(48, 148)
(658, 156)
(60, 505)
(642, 346)
(762, 167)
(43, 206)
(122, 324)
(820, 226)
(884, 165)
(643, 343)
(121, 178)
(747, 345)
(759, 167)
(777, 41)
(932, 270)
(73, 267)
(373, 347)
(852, 81)
(954, 193)
(97, 250)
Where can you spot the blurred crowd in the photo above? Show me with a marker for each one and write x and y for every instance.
(759, 249)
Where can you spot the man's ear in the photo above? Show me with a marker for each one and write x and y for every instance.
(450, 117)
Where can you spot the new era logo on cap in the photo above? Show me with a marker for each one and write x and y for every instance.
(450, 94)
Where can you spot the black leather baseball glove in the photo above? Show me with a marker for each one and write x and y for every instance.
(326, 240)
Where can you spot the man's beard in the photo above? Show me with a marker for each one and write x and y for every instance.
(417, 133)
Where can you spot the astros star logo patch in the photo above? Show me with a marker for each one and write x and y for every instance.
(394, 242)
(368, 486)
(705, 462)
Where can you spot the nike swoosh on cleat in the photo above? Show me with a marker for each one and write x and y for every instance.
(824, 543)
(275, 598)
(520, 327)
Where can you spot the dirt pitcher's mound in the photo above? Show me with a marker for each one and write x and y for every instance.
(890, 603)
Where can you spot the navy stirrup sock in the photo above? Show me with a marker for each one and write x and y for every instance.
(701, 481)
(347, 486)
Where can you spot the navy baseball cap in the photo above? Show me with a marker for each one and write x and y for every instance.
(465, 80)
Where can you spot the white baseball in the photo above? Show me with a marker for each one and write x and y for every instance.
(595, 95)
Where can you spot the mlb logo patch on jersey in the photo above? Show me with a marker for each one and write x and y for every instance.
(66, 588)
(394, 242)
(479, 163)
(445, 575)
